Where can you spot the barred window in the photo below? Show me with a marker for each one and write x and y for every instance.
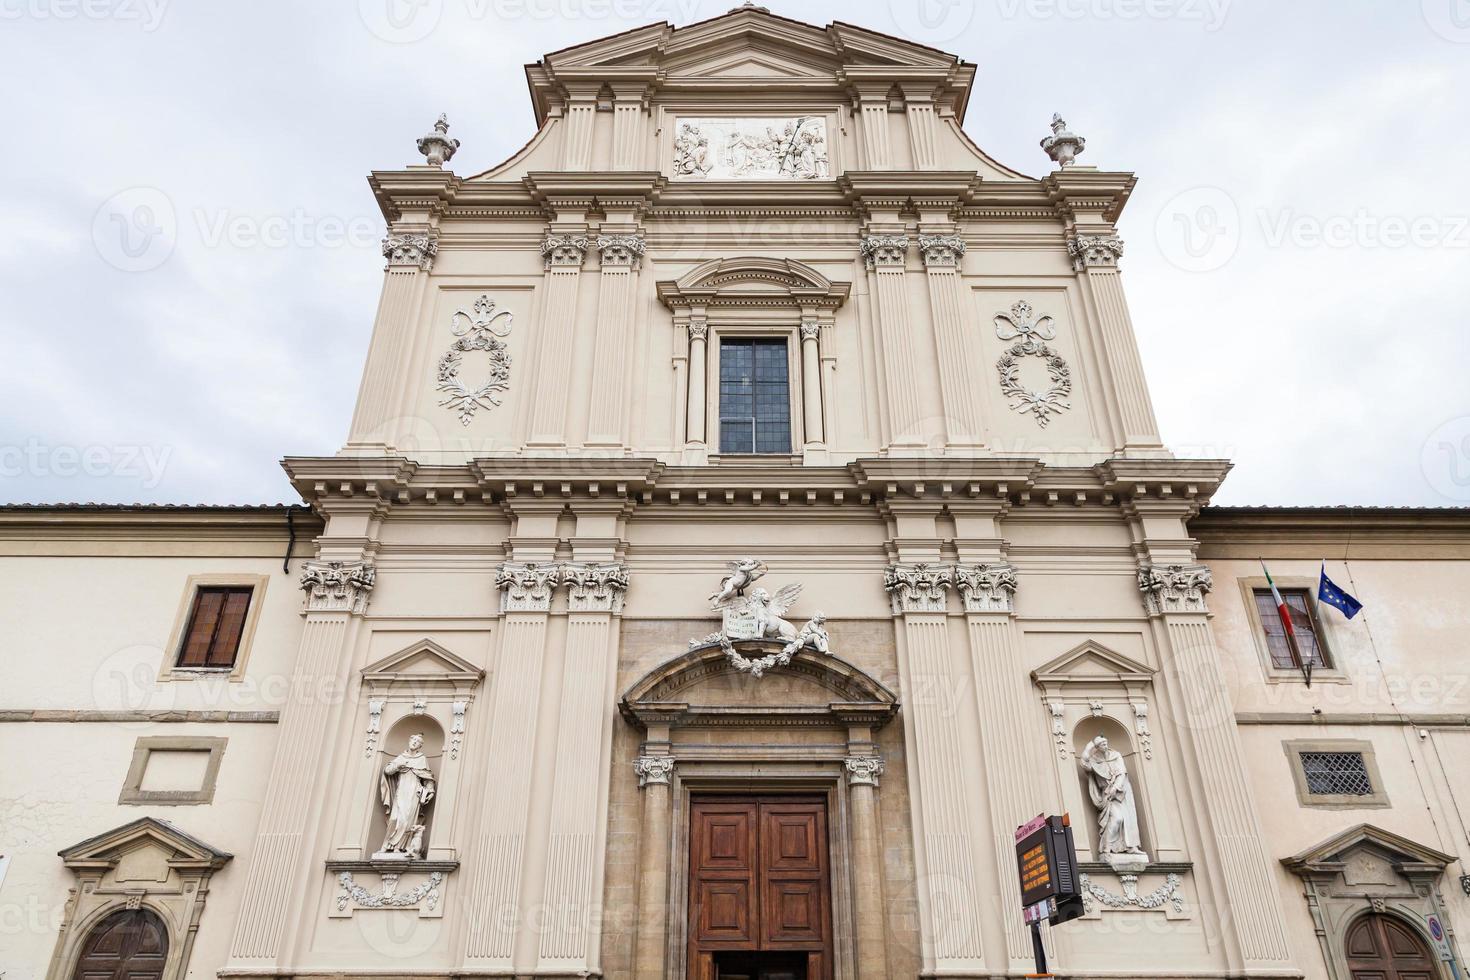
(755, 397)
(1336, 774)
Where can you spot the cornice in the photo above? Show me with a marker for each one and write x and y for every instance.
(1078, 189)
(1311, 533)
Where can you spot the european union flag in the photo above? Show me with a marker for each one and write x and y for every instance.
(1329, 593)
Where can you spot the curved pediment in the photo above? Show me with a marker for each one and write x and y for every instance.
(703, 687)
(758, 280)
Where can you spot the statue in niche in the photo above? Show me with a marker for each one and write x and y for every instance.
(406, 786)
(1111, 790)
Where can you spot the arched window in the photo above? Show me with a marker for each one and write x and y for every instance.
(130, 944)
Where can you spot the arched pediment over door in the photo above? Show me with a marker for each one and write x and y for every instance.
(776, 300)
(703, 689)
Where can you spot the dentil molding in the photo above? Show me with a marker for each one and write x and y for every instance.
(987, 588)
(337, 586)
(919, 587)
(1174, 588)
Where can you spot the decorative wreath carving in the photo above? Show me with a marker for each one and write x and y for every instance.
(477, 330)
(1042, 404)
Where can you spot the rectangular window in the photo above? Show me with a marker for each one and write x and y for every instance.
(1336, 774)
(1299, 603)
(216, 623)
(755, 397)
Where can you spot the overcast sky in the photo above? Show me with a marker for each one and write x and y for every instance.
(1298, 249)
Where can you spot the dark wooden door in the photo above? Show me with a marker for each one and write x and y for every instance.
(128, 945)
(758, 883)
(1382, 948)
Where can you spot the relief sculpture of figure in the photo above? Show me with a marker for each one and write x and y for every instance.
(405, 786)
(1111, 790)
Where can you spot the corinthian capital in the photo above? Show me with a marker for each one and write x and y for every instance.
(919, 587)
(884, 251)
(595, 588)
(621, 250)
(987, 588)
(1095, 251)
(1174, 588)
(416, 251)
(941, 251)
(564, 250)
(337, 586)
(526, 587)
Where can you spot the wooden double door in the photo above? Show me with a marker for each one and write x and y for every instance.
(1382, 948)
(760, 897)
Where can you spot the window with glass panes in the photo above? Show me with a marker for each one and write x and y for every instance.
(755, 397)
(1299, 604)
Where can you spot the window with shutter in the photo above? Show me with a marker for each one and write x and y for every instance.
(216, 624)
(1303, 618)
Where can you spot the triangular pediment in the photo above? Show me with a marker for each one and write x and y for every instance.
(178, 848)
(1092, 662)
(1335, 851)
(423, 661)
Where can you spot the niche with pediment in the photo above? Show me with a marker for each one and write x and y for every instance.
(1090, 691)
(423, 690)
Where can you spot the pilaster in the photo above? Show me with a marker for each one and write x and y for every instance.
(950, 904)
(564, 250)
(942, 254)
(337, 592)
(620, 257)
(496, 868)
(886, 256)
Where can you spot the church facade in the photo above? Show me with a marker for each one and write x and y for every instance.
(753, 511)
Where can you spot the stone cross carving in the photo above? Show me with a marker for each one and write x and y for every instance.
(437, 146)
(406, 786)
(1062, 145)
(1111, 792)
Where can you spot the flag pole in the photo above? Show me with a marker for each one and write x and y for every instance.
(1284, 615)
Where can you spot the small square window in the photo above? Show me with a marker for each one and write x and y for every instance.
(216, 625)
(1304, 624)
(1336, 774)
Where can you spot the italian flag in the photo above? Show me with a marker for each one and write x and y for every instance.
(1286, 626)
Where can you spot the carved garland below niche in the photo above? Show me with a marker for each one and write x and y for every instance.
(1168, 893)
(476, 330)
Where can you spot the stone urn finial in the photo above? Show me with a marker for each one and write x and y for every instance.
(1062, 145)
(437, 147)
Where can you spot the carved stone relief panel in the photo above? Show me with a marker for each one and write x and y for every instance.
(751, 148)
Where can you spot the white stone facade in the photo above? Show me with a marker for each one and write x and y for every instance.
(974, 557)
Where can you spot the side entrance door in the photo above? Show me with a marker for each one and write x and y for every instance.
(760, 903)
(1382, 948)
